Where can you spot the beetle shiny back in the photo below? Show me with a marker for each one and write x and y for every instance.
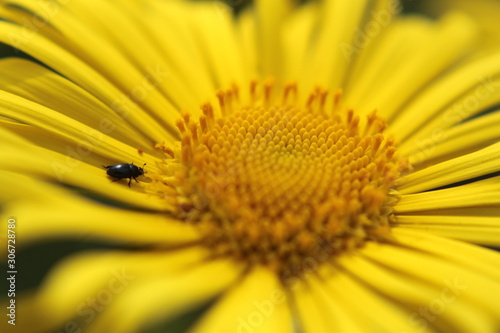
(124, 170)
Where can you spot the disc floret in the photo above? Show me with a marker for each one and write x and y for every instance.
(270, 181)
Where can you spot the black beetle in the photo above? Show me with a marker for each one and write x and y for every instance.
(124, 170)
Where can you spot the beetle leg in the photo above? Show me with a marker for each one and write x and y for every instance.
(129, 181)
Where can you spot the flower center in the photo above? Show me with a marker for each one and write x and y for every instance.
(273, 183)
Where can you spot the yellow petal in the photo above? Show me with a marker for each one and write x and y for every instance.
(312, 313)
(439, 306)
(470, 286)
(40, 137)
(369, 309)
(328, 61)
(216, 32)
(381, 54)
(74, 137)
(256, 304)
(247, 35)
(414, 53)
(479, 230)
(41, 86)
(165, 297)
(47, 165)
(450, 219)
(185, 56)
(92, 81)
(139, 67)
(141, 78)
(472, 83)
(64, 169)
(270, 16)
(43, 211)
(483, 261)
(296, 37)
(320, 310)
(481, 193)
(482, 162)
(93, 279)
(486, 211)
(449, 143)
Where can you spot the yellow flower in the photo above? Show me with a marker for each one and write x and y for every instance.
(314, 168)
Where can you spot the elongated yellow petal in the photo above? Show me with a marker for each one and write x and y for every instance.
(139, 67)
(44, 87)
(45, 210)
(329, 60)
(483, 261)
(247, 35)
(167, 296)
(436, 51)
(270, 16)
(480, 230)
(475, 287)
(93, 82)
(442, 304)
(482, 162)
(84, 274)
(82, 151)
(481, 193)
(430, 112)
(368, 309)
(382, 54)
(138, 80)
(70, 169)
(218, 38)
(319, 313)
(296, 40)
(175, 36)
(257, 304)
(93, 279)
(75, 137)
(471, 135)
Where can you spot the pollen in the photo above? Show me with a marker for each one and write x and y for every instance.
(274, 181)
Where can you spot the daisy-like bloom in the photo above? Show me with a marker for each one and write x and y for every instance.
(329, 167)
